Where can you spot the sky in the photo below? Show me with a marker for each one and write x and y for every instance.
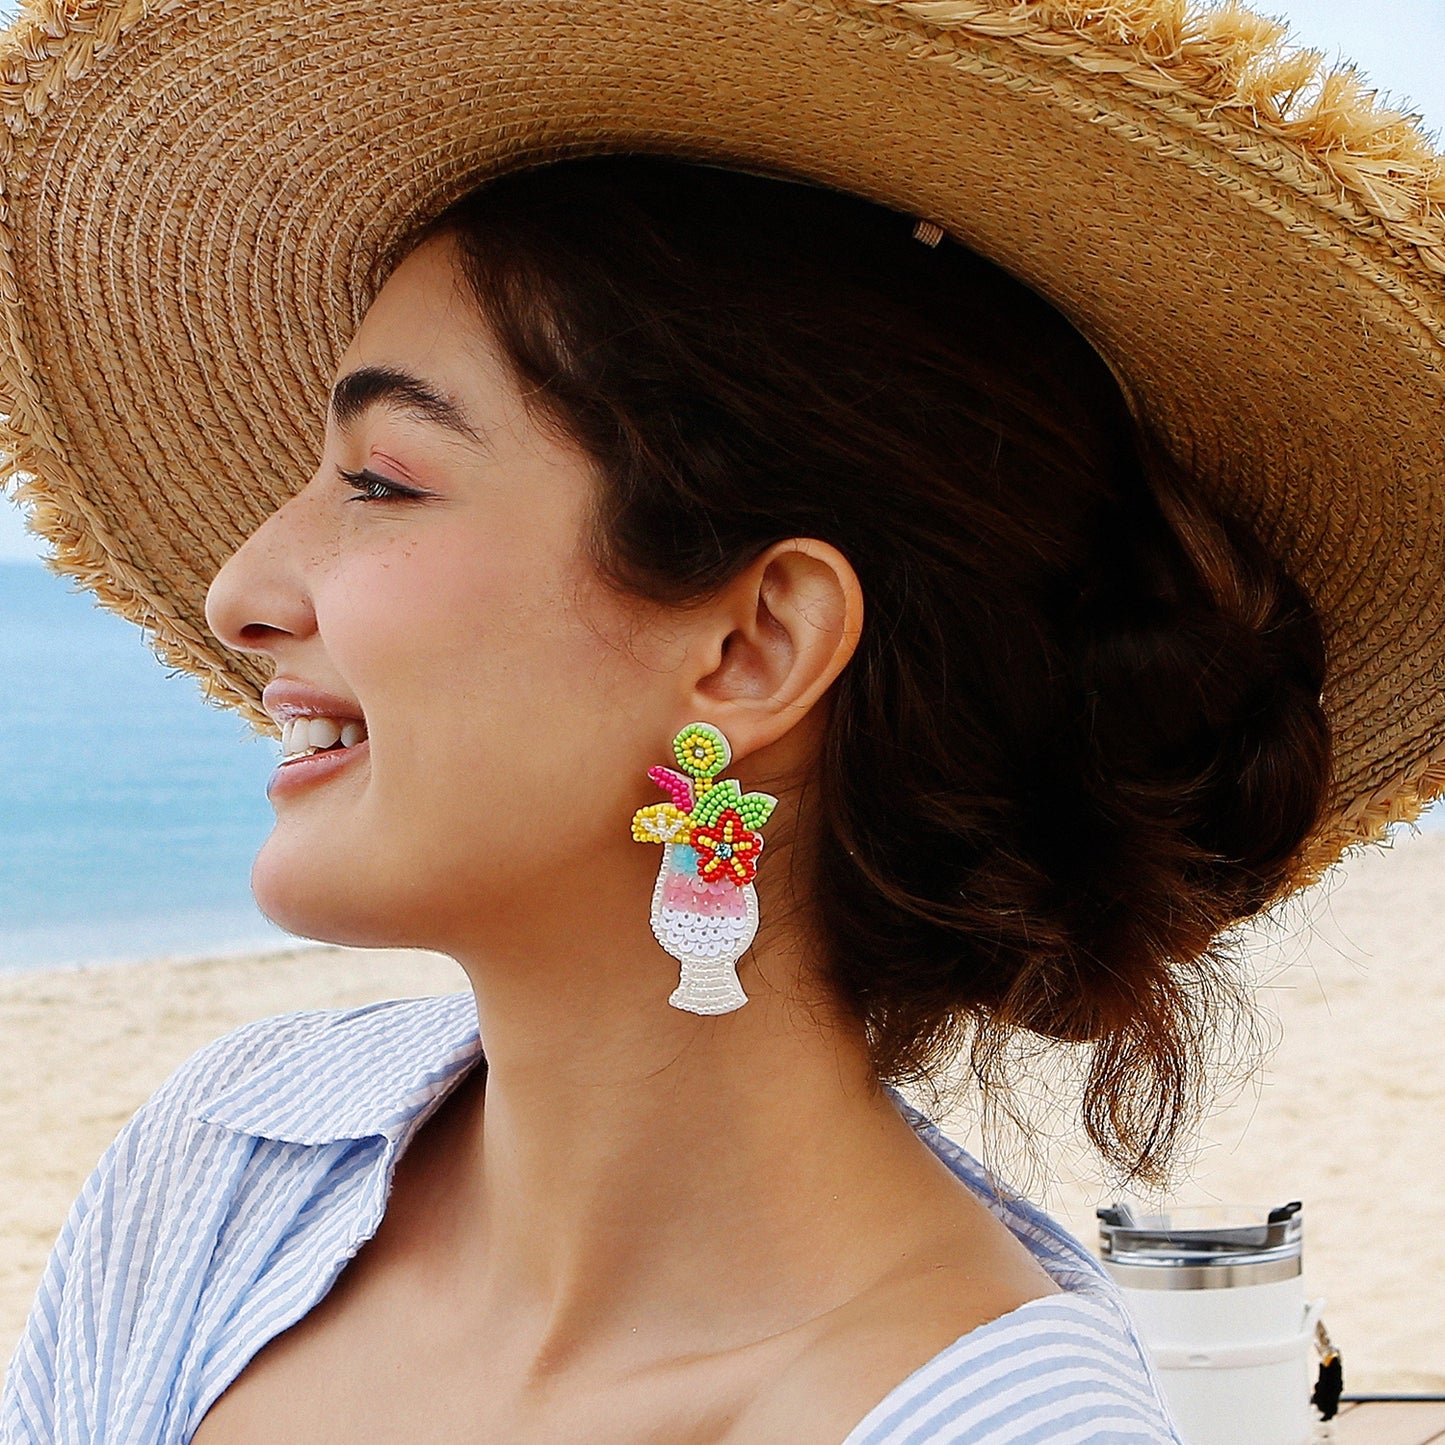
(1398, 44)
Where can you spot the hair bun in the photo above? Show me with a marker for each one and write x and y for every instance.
(1201, 665)
(1203, 750)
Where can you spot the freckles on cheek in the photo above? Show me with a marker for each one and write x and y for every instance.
(444, 617)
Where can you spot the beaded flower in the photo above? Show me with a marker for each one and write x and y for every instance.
(728, 850)
(704, 907)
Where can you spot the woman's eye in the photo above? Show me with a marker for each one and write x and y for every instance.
(371, 488)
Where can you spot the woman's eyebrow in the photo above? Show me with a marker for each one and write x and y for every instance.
(370, 386)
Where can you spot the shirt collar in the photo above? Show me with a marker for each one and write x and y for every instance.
(357, 1074)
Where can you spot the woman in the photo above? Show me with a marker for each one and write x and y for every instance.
(633, 462)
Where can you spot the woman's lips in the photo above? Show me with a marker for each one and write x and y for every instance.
(303, 772)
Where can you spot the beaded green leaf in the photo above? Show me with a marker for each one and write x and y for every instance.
(756, 808)
(719, 797)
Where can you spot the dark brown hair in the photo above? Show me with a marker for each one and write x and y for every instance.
(1081, 734)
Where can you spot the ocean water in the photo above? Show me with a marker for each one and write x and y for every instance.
(130, 810)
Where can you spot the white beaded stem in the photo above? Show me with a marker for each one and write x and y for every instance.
(707, 948)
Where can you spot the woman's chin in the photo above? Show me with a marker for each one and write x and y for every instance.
(313, 902)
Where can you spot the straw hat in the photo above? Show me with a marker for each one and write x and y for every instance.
(200, 197)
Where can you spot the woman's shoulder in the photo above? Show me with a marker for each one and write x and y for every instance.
(1064, 1258)
(1020, 1339)
(1062, 1365)
(1071, 1360)
(1066, 1365)
(196, 1177)
(311, 1077)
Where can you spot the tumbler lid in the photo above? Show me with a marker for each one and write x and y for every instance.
(1203, 1247)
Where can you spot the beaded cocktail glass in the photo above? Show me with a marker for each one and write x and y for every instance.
(704, 907)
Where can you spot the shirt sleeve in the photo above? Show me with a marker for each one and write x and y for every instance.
(28, 1406)
(56, 1384)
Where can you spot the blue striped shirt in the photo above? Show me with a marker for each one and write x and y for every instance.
(230, 1203)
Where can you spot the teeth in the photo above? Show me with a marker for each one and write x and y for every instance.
(324, 732)
(301, 736)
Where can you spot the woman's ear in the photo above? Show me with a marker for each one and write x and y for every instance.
(773, 640)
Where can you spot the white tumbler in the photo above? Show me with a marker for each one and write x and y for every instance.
(1219, 1299)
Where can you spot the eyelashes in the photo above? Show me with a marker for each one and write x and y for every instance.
(370, 487)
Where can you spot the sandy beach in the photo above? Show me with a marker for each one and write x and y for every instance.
(1346, 1116)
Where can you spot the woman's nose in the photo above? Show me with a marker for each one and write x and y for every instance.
(259, 596)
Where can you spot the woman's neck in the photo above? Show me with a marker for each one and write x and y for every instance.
(629, 1168)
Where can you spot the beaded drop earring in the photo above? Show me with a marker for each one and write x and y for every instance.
(704, 907)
